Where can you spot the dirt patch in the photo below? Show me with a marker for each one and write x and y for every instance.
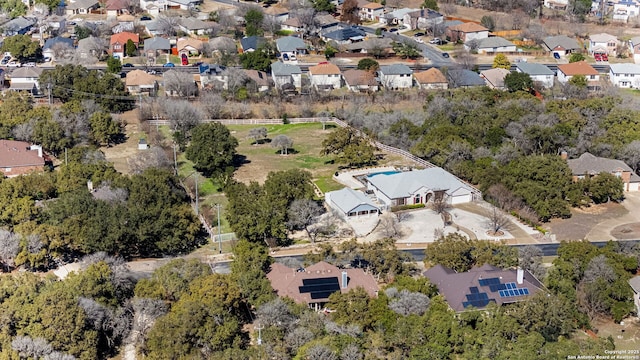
(625, 335)
(583, 220)
(119, 154)
(627, 231)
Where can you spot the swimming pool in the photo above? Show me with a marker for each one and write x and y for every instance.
(390, 172)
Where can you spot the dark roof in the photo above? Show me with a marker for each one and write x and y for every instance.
(209, 69)
(157, 43)
(464, 78)
(252, 42)
(482, 285)
(315, 283)
(57, 40)
(589, 164)
(345, 34)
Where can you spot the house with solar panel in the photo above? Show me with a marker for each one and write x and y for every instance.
(419, 187)
(483, 285)
(313, 285)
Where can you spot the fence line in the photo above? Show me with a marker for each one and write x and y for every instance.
(477, 194)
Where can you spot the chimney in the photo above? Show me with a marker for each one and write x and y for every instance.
(36, 147)
(90, 185)
(520, 276)
(563, 155)
(345, 280)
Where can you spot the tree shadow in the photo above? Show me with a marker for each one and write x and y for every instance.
(261, 141)
(239, 160)
(288, 152)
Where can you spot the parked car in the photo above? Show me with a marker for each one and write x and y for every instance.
(169, 65)
(597, 56)
(393, 30)
(435, 41)
(145, 18)
(605, 57)
(29, 64)
(128, 65)
(419, 40)
(47, 59)
(556, 56)
(445, 55)
(418, 34)
(14, 64)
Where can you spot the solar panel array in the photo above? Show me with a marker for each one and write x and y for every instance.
(514, 292)
(320, 288)
(476, 298)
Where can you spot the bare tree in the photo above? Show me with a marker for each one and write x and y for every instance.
(180, 83)
(351, 352)
(275, 313)
(168, 24)
(57, 355)
(24, 131)
(390, 226)
(63, 53)
(182, 115)
(236, 78)
(31, 348)
(212, 105)
(282, 142)
(407, 303)
(302, 214)
(497, 220)
(9, 248)
(147, 311)
(155, 157)
(258, 134)
(530, 259)
(631, 155)
(298, 337)
(111, 195)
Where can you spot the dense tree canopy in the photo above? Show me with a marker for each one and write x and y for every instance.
(349, 147)
(212, 149)
(22, 47)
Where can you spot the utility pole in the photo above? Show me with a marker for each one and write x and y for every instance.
(219, 236)
(175, 159)
(259, 327)
(197, 200)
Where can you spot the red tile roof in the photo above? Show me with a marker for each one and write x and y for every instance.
(123, 37)
(577, 68)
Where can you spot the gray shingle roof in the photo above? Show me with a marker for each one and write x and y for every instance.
(562, 41)
(457, 287)
(493, 42)
(396, 69)
(19, 23)
(589, 164)
(251, 42)
(626, 68)
(157, 43)
(290, 43)
(349, 200)
(57, 40)
(463, 77)
(192, 23)
(280, 69)
(404, 184)
(82, 4)
(534, 69)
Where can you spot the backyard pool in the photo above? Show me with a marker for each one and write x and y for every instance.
(390, 172)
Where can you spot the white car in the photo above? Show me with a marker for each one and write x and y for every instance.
(435, 41)
(14, 64)
(29, 64)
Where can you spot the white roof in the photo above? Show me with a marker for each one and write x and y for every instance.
(602, 38)
(406, 183)
(625, 68)
(348, 199)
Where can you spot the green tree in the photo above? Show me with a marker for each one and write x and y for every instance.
(330, 51)
(575, 57)
(488, 22)
(405, 50)
(104, 130)
(324, 6)
(430, 4)
(606, 187)
(257, 60)
(171, 281)
(253, 20)
(368, 64)
(130, 48)
(212, 149)
(22, 47)
(500, 61)
(349, 147)
(82, 32)
(14, 8)
(251, 263)
(517, 81)
(114, 65)
(579, 81)
(51, 4)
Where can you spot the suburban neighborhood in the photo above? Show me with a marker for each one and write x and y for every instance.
(350, 179)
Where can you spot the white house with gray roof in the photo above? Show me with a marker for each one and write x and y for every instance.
(286, 74)
(290, 46)
(634, 282)
(419, 187)
(494, 44)
(351, 203)
(538, 72)
(560, 44)
(396, 76)
(625, 75)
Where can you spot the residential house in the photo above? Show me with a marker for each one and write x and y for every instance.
(494, 44)
(567, 71)
(19, 158)
(119, 41)
(634, 48)
(116, 7)
(466, 32)
(156, 45)
(182, 4)
(213, 76)
(431, 79)
(371, 11)
(345, 35)
(290, 47)
(556, 4)
(360, 80)
(538, 72)
(56, 23)
(140, 82)
(194, 26)
(588, 165)
(560, 44)
(464, 78)
(180, 83)
(259, 79)
(189, 46)
(251, 43)
(419, 187)
(18, 26)
(422, 19)
(92, 47)
(26, 79)
(325, 76)
(396, 17)
(277, 13)
(124, 25)
(375, 46)
(286, 74)
(154, 28)
(223, 44)
(292, 24)
(326, 23)
(56, 45)
(625, 75)
(494, 78)
(349, 203)
(152, 8)
(630, 8)
(314, 284)
(603, 44)
(396, 76)
(481, 286)
(81, 7)
(634, 282)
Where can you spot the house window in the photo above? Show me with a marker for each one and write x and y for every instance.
(592, 77)
(417, 199)
(618, 173)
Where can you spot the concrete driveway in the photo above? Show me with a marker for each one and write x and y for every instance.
(602, 230)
